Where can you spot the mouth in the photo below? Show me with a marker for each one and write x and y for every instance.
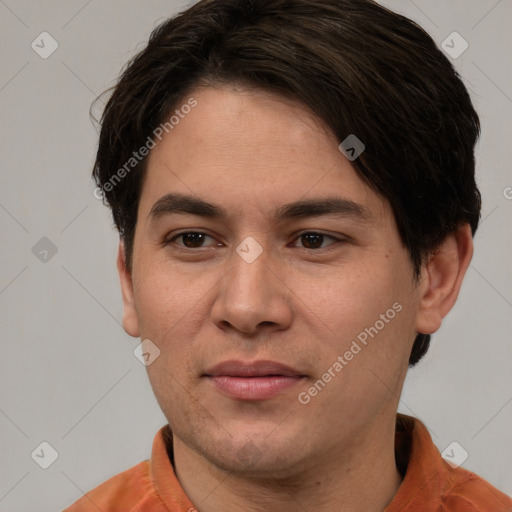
(258, 380)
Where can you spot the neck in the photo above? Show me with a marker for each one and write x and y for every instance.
(360, 477)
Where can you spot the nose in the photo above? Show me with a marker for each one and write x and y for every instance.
(252, 297)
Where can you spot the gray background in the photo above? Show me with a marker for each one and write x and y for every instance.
(68, 373)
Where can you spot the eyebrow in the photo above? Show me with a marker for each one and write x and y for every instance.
(335, 206)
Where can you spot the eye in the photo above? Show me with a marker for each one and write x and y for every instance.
(196, 240)
(314, 240)
(190, 240)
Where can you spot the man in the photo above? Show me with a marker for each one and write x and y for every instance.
(293, 183)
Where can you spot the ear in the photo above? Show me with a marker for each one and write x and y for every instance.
(130, 319)
(441, 279)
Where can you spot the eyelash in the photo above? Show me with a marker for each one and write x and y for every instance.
(170, 241)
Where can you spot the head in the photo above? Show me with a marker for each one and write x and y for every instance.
(243, 105)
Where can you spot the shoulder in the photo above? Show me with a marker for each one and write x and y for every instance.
(131, 490)
(431, 483)
(467, 492)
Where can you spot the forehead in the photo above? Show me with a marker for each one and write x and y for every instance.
(248, 148)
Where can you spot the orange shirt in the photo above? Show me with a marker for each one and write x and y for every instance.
(430, 484)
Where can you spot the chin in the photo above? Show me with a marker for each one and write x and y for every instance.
(256, 454)
(251, 462)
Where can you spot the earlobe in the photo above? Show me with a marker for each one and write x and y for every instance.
(441, 279)
(130, 319)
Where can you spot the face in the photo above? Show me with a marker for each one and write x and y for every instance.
(294, 261)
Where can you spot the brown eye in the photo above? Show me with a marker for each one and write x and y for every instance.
(313, 240)
(191, 240)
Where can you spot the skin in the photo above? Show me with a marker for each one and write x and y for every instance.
(249, 151)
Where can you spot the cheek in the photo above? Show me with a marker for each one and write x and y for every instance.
(173, 307)
(170, 309)
(363, 357)
(168, 297)
(352, 297)
(366, 313)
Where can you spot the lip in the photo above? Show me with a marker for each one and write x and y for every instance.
(257, 380)
(260, 368)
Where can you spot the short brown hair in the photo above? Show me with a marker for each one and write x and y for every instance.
(361, 68)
